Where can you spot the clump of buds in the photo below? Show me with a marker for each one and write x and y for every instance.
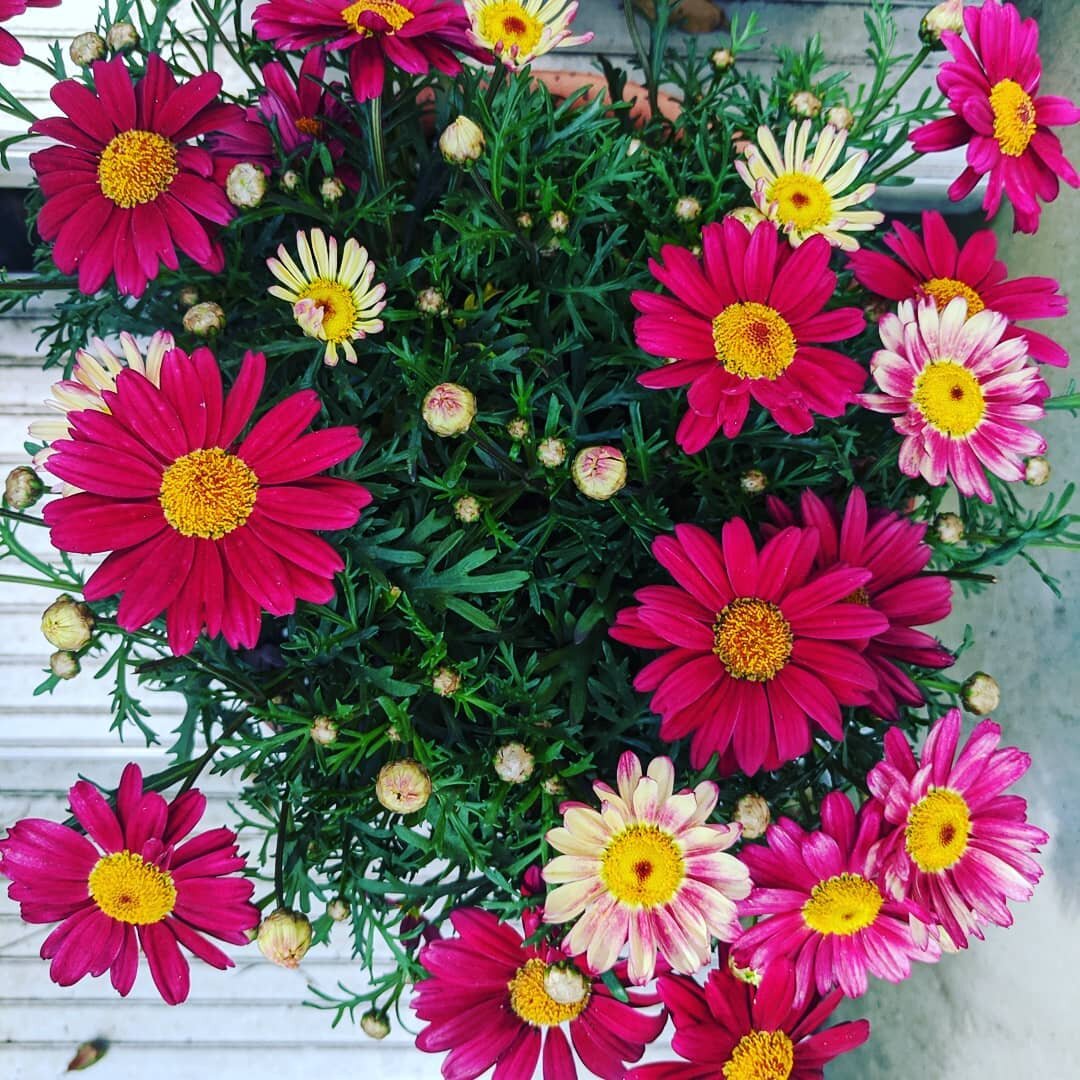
(981, 694)
(462, 142)
(64, 664)
(86, 48)
(324, 731)
(67, 623)
(22, 488)
(1036, 471)
(599, 472)
(945, 17)
(245, 186)
(284, 937)
(722, 59)
(840, 117)
(449, 409)
(514, 763)
(687, 208)
(752, 813)
(338, 909)
(558, 222)
(403, 787)
(121, 36)
(445, 682)
(467, 509)
(331, 190)
(949, 528)
(753, 481)
(375, 1025)
(430, 302)
(205, 319)
(551, 453)
(805, 103)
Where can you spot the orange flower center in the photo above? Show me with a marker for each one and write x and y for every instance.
(753, 341)
(397, 15)
(136, 167)
(127, 888)
(761, 1055)
(752, 639)
(943, 289)
(208, 493)
(1014, 117)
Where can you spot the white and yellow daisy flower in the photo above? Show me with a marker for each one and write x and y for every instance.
(796, 191)
(518, 31)
(333, 303)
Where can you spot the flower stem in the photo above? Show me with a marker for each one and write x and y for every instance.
(639, 46)
(279, 851)
(892, 170)
(201, 762)
(26, 519)
(872, 114)
(378, 148)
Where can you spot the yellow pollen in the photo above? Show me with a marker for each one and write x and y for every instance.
(860, 596)
(512, 25)
(753, 341)
(950, 398)
(533, 1004)
(397, 15)
(128, 889)
(1014, 117)
(642, 866)
(310, 125)
(802, 201)
(136, 167)
(338, 308)
(944, 289)
(842, 905)
(761, 1055)
(208, 493)
(752, 639)
(938, 827)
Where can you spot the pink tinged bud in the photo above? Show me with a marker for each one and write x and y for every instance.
(752, 813)
(338, 909)
(64, 664)
(86, 48)
(445, 682)
(840, 117)
(948, 16)
(309, 316)
(430, 302)
(324, 731)
(375, 1025)
(245, 186)
(87, 1054)
(462, 142)
(449, 409)
(284, 937)
(403, 787)
(599, 472)
(467, 510)
(513, 763)
(981, 694)
(67, 623)
(805, 103)
(22, 488)
(205, 319)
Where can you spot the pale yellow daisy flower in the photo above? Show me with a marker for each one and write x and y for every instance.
(518, 31)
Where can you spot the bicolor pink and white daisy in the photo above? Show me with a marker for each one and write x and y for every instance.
(11, 51)
(516, 32)
(961, 394)
(134, 882)
(645, 870)
(756, 644)
(892, 548)
(746, 322)
(934, 266)
(993, 90)
(493, 1000)
(733, 1030)
(960, 846)
(822, 909)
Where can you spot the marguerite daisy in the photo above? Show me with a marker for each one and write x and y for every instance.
(518, 31)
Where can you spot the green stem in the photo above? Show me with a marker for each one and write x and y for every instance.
(279, 851)
(26, 519)
(56, 583)
(870, 116)
(201, 762)
(635, 38)
(378, 148)
(892, 170)
(35, 285)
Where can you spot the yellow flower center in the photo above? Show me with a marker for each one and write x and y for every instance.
(397, 15)
(208, 493)
(938, 827)
(753, 341)
(761, 1055)
(136, 167)
(310, 125)
(510, 24)
(642, 866)
(752, 639)
(802, 201)
(1014, 117)
(338, 308)
(950, 398)
(532, 1003)
(944, 289)
(131, 890)
(842, 905)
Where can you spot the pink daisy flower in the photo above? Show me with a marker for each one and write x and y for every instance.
(128, 187)
(961, 394)
(746, 322)
(647, 870)
(891, 547)
(11, 52)
(823, 909)
(207, 527)
(934, 266)
(729, 1028)
(414, 35)
(756, 644)
(133, 882)
(960, 847)
(992, 87)
(493, 1000)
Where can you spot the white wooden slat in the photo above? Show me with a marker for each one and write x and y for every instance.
(28, 774)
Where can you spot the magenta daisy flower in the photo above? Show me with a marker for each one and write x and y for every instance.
(132, 883)
(210, 528)
(992, 87)
(414, 35)
(756, 643)
(11, 52)
(128, 188)
(492, 1000)
(960, 847)
(746, 322)
(934, 266)
(728, 1028)
(892, 549)
(962, 394)
(647, 870)
(823, 909)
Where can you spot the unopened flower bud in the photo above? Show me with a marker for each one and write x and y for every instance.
(324, 731)
(513, 763)
(948, 16)
(285, 937)
(752, 813)
(290, 178)
(449, 409)
(188, 296)
(86, 48)
(840, 117)
(430, 302)
(524, 221)
(553, 785)
(331, 190)
(632, 147)
(121, 36)
(392, 734)
(375, 1025)
(565, 984)
(981, 694)
(687, 208)
(804, 103)
(446, 681)
(599, 472)
(467, 509)
(743, 974)
(1036, 471)
(753, 481)
(518, 428)
(747, 216)
(67, 623)
(722, 59)
(245, 186)
(87, 1054)
(462, 142)
(22, 488)
(559, 222)
(205, 319)
(949, 528)
(64, 664)
(403, 787)
(338, 909)
(551, 453)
